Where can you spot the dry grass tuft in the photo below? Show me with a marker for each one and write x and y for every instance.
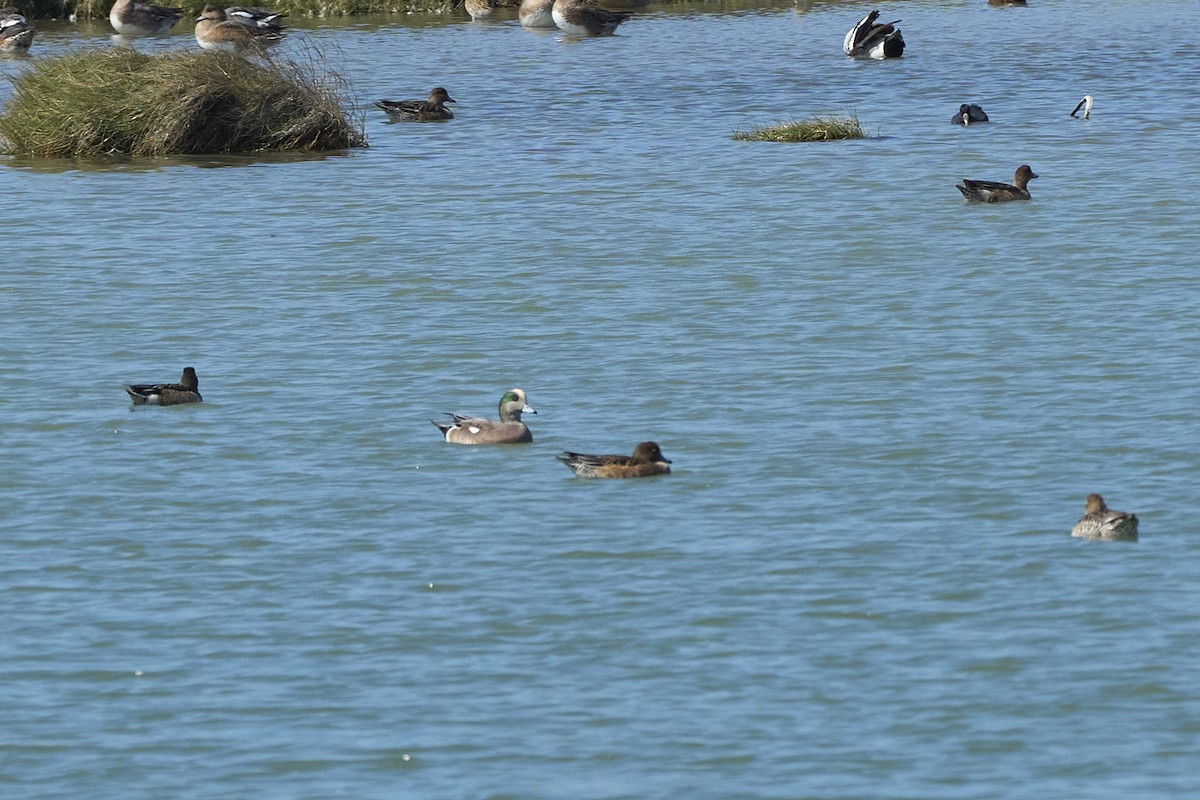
(818, 129)
(119, 101)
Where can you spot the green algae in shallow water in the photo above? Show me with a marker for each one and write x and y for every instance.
(818, 129)
(119, 101)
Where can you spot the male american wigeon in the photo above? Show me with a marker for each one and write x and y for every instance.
(167, 394)
(507, 430)
(215, 31)
(130, 18)
(969, 114)
(581, 18)
(874, 39)
(431, 109)
(1085, 105)
(996, 192)
(256, 17)
(1101, 522)
(536, 14)
(15, 33)
(1007, 3)
(646, 460)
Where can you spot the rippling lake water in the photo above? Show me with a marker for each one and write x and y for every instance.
(885, 409)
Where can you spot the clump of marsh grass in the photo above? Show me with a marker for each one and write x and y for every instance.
(119, 101)
(817, 129)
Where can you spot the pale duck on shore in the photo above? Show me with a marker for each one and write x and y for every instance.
(996, 192)
(874, 39)
(1101, 522)
(215, 31)
(167, 394)
(647, 460)
(133, 19)
(536, 14)
(582, 18)
(479, 9)
(431, 109)
(509, 429)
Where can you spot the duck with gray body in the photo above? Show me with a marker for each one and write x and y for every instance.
(15, 33)
(581, 18)
(647, 460)
(996, 192)
(509, 429)
(131, 19)
(431, 109)
(1101, 522)
(256, 18)
(167, 394)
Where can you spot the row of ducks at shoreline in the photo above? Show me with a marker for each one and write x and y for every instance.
(1098, 520)
(241, 28)
(238, 28)
(647, 459)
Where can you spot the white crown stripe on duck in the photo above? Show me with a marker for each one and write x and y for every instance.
(509, 429)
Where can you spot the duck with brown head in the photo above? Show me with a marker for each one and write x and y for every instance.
(996, 192)
(431, 109)
(1101, 522)
(647, 460)
(167, 394)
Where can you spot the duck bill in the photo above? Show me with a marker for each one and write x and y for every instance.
(528, 410)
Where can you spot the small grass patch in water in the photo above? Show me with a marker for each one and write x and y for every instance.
(119, 101)
(817, 129)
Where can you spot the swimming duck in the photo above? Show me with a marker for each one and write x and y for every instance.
(536, 14)
(969, 114)
(215, 31)
(167, 394)
(995, 192)
(874, 39)
(581, 18)
(1007, 3)
(1086, 105)
(15, 33)
(1100, 522)
(256, 17)
(130, 18)
(508, 430)
(647, 460)
(431, 109)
